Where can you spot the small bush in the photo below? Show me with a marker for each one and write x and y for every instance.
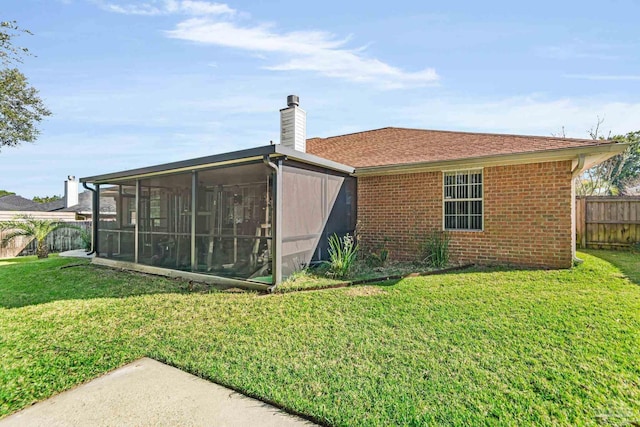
(378, 259)
(85, 236)
(342, 255)
(435, 251)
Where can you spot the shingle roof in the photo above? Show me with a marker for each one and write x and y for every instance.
(18, 203)
(396, 146)
(56, 205)
(85, 204)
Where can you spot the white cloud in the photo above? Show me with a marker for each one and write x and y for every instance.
(612, 77)
(315, 51)
(580, 49)
(194, 7)
(320, 52)
(169, 7)
(525, 115)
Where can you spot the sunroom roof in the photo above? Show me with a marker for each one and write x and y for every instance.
(230, 158)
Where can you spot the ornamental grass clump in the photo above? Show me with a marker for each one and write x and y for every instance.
(435, 251)
(342, 255)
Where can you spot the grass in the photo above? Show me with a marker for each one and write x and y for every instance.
(479, 347)
(29, 281)
(627, 261)
(318, 279)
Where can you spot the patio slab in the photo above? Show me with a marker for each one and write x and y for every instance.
(76, 253)
(149, 393)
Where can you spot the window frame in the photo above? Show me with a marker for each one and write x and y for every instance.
(468, 172)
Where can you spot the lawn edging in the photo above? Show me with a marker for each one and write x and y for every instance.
(378, 279)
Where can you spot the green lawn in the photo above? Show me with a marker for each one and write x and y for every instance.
(318, 279)
(628, 262)
(475, 347)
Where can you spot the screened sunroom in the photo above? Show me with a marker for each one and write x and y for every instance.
(247, 218)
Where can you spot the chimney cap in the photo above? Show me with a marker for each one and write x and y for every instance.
(293, 100)
(71, 177)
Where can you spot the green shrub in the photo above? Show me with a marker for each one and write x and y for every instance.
(85, 236)
(378, 259)
(342, 255)
(435, 251)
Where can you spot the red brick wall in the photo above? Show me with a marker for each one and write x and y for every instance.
(527, 215)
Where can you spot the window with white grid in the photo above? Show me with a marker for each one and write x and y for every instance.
(463, 200)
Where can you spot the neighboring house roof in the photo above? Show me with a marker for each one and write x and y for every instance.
(18, 203)
(401, 146)
(56, 205)
(85, 204)
(21, 204)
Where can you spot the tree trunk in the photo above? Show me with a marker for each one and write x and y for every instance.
(43, 250)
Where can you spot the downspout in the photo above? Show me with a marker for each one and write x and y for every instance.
(94, 219)
(276, 222)
(574, 174)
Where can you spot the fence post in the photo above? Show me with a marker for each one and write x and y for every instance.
(583, 222)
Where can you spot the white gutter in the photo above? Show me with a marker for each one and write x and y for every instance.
(579, 166)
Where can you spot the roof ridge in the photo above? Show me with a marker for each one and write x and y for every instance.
(557, 138)
(355, 133)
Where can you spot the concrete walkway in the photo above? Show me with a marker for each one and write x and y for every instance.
(76, 253)
(149, 393)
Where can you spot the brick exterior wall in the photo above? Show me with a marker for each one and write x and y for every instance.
(527, 215)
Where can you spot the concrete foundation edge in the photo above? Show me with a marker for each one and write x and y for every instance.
(223, 282)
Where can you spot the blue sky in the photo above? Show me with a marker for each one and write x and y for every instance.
(133, 84)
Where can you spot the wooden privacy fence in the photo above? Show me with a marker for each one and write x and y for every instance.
(607, 222)
(64, 239)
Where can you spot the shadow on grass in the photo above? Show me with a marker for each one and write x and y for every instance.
(21, 260)
(32, 281)
(628, 262)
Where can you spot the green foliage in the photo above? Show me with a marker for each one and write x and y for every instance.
(85, 236)
(6, 193)
(46, 199)
(8, 52)
(615, 175)
(28, 226)
(629, 161)
(21, 108)
(342, 255)
(501, 347)
(435, 250)
(378, 259)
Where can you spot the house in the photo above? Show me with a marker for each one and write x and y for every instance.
(503, 198)
(83, 206)
(74, 206)
(81, 203)
(14, 205)
(252, 217)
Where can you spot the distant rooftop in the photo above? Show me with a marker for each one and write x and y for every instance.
(85, 204)
(18, 203)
